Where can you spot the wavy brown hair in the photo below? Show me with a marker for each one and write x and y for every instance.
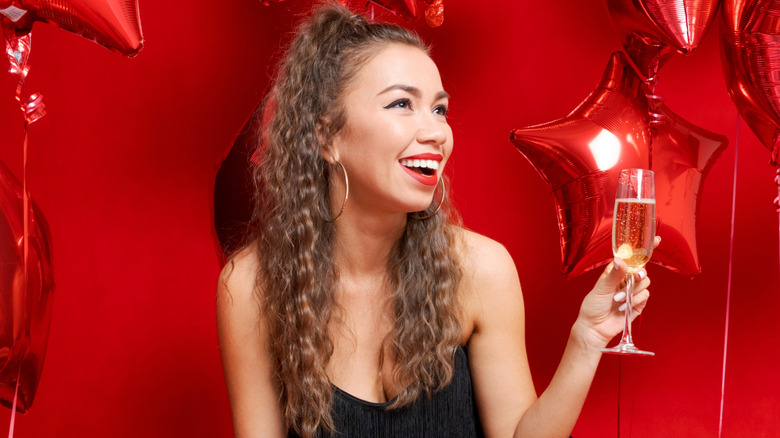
(297, 275)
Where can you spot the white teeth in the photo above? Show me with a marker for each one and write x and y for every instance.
(429, 164)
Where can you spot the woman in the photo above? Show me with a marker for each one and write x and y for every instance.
(352, 309)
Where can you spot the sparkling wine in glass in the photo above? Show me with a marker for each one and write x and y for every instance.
(633, 235)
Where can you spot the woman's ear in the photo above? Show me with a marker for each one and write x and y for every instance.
(329, 154)
(328, 149)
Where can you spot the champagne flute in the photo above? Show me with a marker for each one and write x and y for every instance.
(633, 235)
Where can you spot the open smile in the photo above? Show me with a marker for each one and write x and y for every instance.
(424, 168)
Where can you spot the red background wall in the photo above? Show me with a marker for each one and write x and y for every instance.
(123, 168)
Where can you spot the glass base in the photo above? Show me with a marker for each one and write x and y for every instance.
(627, 349)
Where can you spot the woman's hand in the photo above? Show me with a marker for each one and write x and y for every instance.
(602, 312)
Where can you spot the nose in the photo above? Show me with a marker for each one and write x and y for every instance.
(432, 130)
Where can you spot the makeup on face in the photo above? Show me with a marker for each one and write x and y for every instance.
(396, 140)
(423, 167)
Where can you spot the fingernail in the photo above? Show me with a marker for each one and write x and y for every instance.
(620, 296)
(641, 274)
(622, 307)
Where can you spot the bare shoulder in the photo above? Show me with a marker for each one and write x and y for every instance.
(238, 302)
(244, 346)
(484, 260)
(238, 278)
(239, 310)
(490, 286)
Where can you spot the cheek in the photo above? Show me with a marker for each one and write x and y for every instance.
(350, 143)
(449, 147)
(399, 131)
(365, 137)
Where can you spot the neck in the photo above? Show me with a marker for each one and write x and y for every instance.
(364, 241)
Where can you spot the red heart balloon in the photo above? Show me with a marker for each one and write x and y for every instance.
(750, 41)
(581, 155)
(25, 295)
(111, 23)
(652, 29)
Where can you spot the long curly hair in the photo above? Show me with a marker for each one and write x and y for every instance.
(297, 275)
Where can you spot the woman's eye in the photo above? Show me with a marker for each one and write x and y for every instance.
(400, 103)
(441, 110)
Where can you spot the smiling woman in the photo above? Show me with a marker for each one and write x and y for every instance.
(396, 104)
(382, 316)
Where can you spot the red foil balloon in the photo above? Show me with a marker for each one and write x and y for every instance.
(234, 186)
(681, 156)
(403, 8)
(434, 13)
(410, 9)
(750, 42)
(111, 23)
(580, 156)
(233, 189)
(25, 295)
(652, 29)
(17, 49)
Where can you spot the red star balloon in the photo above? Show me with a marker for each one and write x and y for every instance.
(750, 41)
(653, 29)
(580, 156)
(681, 156)
(25, 295)
(111, 23)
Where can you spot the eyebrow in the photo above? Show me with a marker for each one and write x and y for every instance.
(414, 91)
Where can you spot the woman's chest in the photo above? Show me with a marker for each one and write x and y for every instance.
(362, 330)
(362, 361)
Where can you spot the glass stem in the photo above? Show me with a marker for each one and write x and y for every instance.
(629, 309)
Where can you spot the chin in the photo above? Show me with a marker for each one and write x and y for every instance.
(414, 202)
(419, 208)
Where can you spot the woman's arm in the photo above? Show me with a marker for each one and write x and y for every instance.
(246, 357)
(505, 396)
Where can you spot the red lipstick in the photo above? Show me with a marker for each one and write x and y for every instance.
(428, 156)
(431, 180)
(428, 177)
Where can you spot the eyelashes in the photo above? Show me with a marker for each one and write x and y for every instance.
(400, 103)
(442, 110)
(405, 103)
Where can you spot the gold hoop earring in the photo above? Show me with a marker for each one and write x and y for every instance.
(438, 207)
(346, 194)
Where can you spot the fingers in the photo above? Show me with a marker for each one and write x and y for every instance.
(656, 242)
(638, 301)
(611, 278)
(641, 280)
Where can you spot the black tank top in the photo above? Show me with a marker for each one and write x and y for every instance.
(449, 413)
